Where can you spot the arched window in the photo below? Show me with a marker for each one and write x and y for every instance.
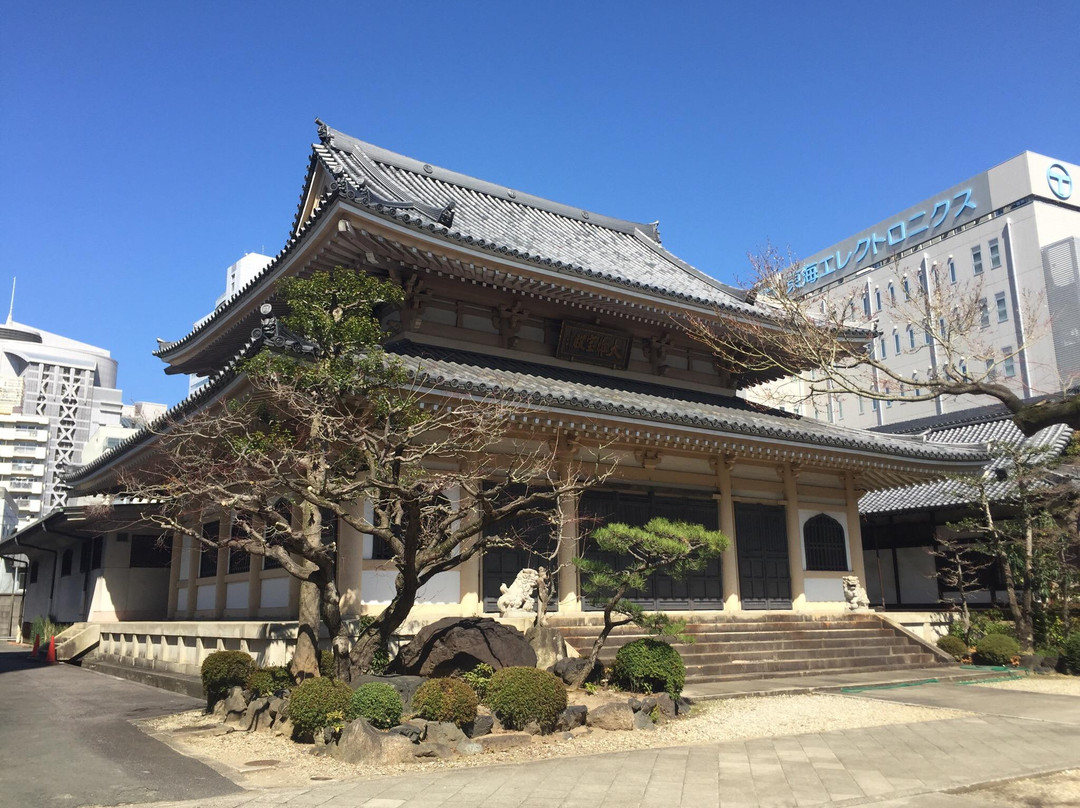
(823, 539)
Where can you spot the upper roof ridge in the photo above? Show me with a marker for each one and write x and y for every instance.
(340, 141)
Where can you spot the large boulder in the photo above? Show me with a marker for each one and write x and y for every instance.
(548, 643)
(457, 644)
(360, 743)
(569, 668)
(615, 715)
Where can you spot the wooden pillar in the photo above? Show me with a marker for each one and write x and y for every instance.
(729, 561)
(255, 582)
(790, 472)
(174, 572)
(224, 529)
(569, 596)
(472, 602)
(350, 563)
(858, 563)
(193, 571)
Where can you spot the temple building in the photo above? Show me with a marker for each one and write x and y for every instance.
(575, 312)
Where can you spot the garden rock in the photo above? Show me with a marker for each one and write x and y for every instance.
(256, 716)
(467, 748)
(643, 721)
(360, 743)
(428, 749)
(481, 725)
(283, 727)
(666, 705)
(634, 704)
(235, 708)
(572, 716)
(277, 705)
(613, 716)
(569, 668)
(684, 706)
(533, 728)
(443, 732)
(507, 740)
(648, 704)
(548, 643)
(578, 732)
(410, 731)
(405, 686)
(454, 644)
(219, 710)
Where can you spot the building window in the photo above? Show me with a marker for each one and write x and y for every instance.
(96, 549)
(208, 556)
(877, 298)
(892, 294)
(150, 551)
(882, 348)
(273, 535)
(976, 260)
(866, 303)
(239, 558)
(991, 371)
(874, 404)
(84, 557)
(823, 539)
(1002, 307)
(952, 271)
(942, 329)
(33, 572)
(911, 337)
(1007, 363)
(907, 289)
(995, 254)
(65, 563)
(984, 313)
(896, 341)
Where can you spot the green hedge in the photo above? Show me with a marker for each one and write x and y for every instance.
(379, 703)
(267, 681)
(520, 695)
(222, 671)
(1070, 653)
(313, 699)
(445, 700)
(995, 649)
(953, 645)
(649, 665)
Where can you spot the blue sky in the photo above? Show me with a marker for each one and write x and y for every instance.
(146, 146)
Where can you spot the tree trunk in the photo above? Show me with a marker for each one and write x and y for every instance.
(305, 661)
(381, 630)
(601, 638)
(543, 594)
(335, 627)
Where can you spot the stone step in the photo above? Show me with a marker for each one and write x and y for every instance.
(801, 666)
(743, 675)
(743, 636)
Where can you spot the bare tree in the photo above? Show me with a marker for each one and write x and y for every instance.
(959, 568)
(337, 429)
(827, 342)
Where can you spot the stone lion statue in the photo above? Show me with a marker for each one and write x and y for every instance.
(520, 595)
(855, 595)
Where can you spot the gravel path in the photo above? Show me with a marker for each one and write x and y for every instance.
(711, 722)
(1055, 685)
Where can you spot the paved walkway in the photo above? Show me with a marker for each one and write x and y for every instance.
(1015, 735)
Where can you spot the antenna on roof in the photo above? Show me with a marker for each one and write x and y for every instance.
(11, 308)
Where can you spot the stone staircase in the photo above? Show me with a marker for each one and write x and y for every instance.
(772, 644)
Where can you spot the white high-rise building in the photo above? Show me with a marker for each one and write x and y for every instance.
(54, 392)
(237, 277)
(1012, 233)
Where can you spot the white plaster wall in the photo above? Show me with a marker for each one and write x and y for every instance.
(823, 590)
(181, 600)
(275, 593)
(236, 595)
(377, 586)
(918, 581)
(205, 597)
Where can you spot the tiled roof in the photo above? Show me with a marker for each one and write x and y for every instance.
(574, 389)
(503, 221)
(997, 429)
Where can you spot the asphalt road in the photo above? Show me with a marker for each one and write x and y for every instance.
(66, 740)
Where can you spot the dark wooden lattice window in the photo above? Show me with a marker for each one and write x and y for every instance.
(150, 552)
(33, 572)
(274, 535)
(96, 551)
(208, 556)
(823, 538)
(239, 558)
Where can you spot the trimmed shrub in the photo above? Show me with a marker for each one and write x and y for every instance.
(222, 671)
(445, 700)
(649, 665)
(326, 664)
(267, 681)
(996, 649)
(478, 679)
(1070, 654)
(313, 700)
(378, 702)
(954, 646)
(520, 695)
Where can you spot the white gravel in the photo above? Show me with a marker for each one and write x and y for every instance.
(1052, 684)
(711, 722)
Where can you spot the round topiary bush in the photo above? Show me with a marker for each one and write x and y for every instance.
(649, 665)
(312, 700)
(222, 671)
(1070, 653)
(379, 703)
(520, 695)
(267, 681)
(953, 646)
(995, 649)
(445, 700)
(326, 664)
